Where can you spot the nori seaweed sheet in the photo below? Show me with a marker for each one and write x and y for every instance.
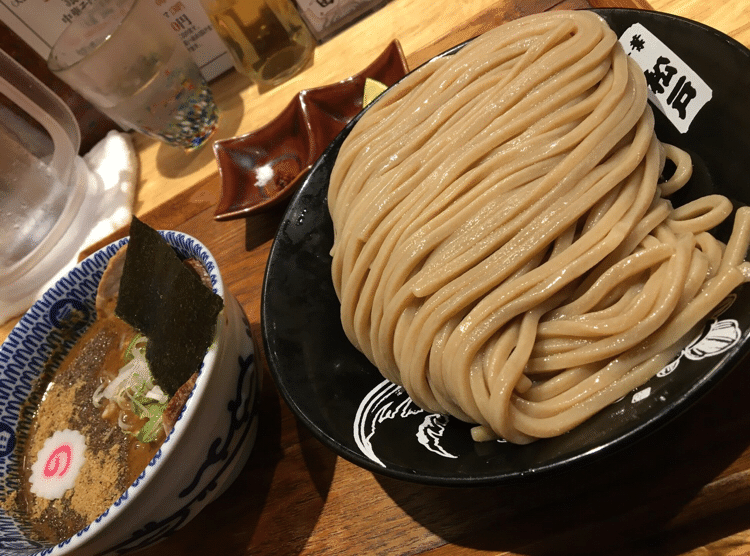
(167, 302)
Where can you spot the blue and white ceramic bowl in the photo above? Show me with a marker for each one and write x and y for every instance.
(206, 450)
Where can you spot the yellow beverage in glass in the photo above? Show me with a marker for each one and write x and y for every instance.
(267, 38)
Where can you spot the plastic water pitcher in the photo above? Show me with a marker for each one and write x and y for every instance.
(47, 193)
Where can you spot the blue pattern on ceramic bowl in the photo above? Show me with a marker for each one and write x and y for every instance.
(209, 453)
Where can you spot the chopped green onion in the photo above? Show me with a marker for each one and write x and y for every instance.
(134, 387)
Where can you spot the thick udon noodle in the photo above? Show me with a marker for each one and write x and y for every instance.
(504, 248)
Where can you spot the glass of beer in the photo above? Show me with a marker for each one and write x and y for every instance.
(267, 39)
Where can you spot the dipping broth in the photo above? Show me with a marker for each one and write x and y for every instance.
(101, 414)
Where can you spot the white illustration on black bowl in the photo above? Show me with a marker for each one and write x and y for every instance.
(389, 402)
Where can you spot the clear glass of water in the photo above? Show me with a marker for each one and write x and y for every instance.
(122, 56)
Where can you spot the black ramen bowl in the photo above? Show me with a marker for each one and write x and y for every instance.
(346, 403)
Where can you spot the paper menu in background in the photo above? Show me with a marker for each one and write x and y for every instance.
(40, 22)
(189, 20)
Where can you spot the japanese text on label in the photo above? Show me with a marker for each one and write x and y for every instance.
(673, 86)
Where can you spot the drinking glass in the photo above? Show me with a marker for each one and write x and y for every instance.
(123, 57)
(267, 39)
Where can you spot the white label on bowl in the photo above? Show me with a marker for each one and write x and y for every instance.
(673, 87)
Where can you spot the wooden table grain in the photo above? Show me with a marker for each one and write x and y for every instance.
(682, 490)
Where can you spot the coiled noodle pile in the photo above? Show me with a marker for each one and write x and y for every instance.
(504, 246)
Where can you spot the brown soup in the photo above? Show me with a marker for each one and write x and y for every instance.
(112, 458)
(100, 415)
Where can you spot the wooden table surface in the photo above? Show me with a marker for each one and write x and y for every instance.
(682, 490)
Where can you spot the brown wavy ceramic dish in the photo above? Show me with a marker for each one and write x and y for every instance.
(264, 167)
